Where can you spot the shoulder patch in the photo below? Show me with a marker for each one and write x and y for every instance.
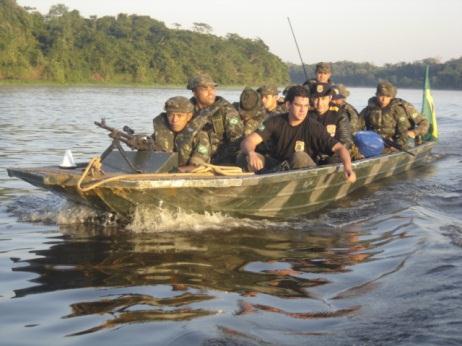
(202, 149)
(233, 121)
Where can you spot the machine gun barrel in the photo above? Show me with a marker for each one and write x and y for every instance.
(127, 136)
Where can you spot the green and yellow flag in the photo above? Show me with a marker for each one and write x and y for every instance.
(428, 110)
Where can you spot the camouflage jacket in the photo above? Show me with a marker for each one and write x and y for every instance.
(390, 122)
(336, 124)
(352, 114)
(197, 152)
(419, 124)
(223, 125)
(251, 119)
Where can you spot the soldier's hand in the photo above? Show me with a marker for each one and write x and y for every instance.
(411, 134)
(350, 175)
(255, 162)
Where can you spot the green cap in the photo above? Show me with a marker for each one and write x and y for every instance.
(200, 80)
(249, 100)
(323, 67)
(268, 89)
(385, 88)
(178, 104)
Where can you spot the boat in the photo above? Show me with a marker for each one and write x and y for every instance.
(272, 195)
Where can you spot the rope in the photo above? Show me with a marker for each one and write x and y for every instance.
(219, 170)
(94, 166)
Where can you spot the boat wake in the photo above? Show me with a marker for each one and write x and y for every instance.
(51, 210)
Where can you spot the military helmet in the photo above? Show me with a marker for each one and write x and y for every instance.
(249, 100)
(319, 89)
(340, 92)
(385, 88)
(179, 104)
(323, 67)
(202, 79)
(268, 89)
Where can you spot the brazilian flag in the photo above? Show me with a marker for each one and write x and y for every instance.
(428, 110)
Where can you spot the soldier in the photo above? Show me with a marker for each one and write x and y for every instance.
(296, 138)
(250, 109)
(335, 122)
(216, 116)
(394, 119)
(270, 98)
(170, 124)
(323, 75)
(339, 99)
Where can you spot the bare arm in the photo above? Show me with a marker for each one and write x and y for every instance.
(344, 155)
(248, 146)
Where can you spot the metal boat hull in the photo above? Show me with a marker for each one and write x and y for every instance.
(280, 194)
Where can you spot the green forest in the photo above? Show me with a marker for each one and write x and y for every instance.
(64, 47)
(446, 75)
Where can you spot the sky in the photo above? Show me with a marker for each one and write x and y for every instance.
(372, 31)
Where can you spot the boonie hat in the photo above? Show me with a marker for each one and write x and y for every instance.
(268, 90)
(178, 104)
(200, 80)
(385, 88)
(249, 100)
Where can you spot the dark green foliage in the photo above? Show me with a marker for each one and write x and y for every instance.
(62, 46)
(446, 75)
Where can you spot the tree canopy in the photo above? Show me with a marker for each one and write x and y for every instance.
(446, 75)
(63, 46)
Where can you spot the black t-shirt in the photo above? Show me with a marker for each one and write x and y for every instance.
(285, 137)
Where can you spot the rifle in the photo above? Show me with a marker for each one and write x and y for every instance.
(128, 136)
(390, 143)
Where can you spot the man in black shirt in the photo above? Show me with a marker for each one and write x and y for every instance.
(296, 139)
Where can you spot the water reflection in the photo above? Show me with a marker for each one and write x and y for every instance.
(197, 266)
(272, 262)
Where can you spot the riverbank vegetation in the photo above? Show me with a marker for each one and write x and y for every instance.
(64, 47)
(446, 75)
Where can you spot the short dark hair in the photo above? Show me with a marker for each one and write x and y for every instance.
(296, 91)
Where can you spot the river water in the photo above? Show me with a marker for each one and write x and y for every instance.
(383, 266)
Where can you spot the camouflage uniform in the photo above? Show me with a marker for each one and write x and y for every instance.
(393, 121)
(250, 110)
(341, 93)
(224, 128)
(166, 140)
(419, 124)
(352, 115)
(390, 122)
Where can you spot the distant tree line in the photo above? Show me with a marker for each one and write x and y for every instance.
(63, 46)
(446, 75)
